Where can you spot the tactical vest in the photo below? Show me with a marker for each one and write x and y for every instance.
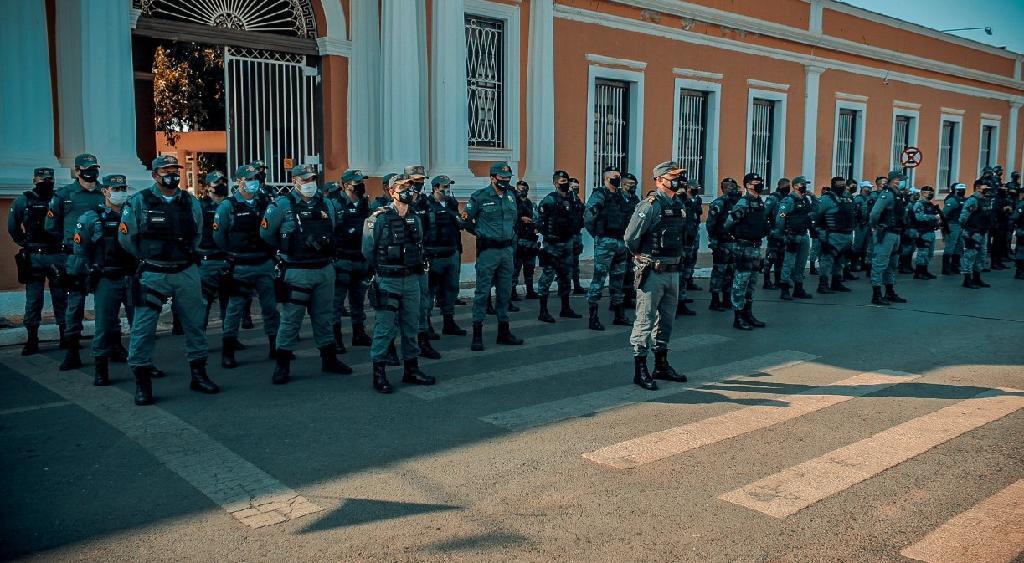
(981, 218)
(525, 231)
(35, 219)
(111, 258)
(951, 208)
(754, 223)
(665, 239)
(209, 207)
(844, 217)
(166, 229)
(717, 213)
(1019, 222)
(614, 216)
(798, 219)
(400, 245)
(441, 238)
(895, 216)
(929, 209)
(76, 202)
(558, 222)
(244, 237)
(694, 208)
(578, 210)
(312, 240)
(348, 230)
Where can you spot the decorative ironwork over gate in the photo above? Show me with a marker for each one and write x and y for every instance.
(485, 81)
(285, 17)
(611, 127)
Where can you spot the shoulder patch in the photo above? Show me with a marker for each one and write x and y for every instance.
(215, 226)
(78, 238)
(263, 224)
(49, 213)
(123, 229)
(782, 214)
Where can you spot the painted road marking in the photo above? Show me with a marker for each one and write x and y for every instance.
(800, 486)
(598, 401)
(479, 381)
(245, 491)
(19, 410)
(660, 445)
(992, 531)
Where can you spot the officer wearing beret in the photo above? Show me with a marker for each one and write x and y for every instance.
(888, 219)
(351, 269)
(214, 267)
(556, 224)
(494, 213)
(441, 239)
(300, 225)
(40, 252)
(654, 236)
(66, 206)
(162, 226)
(237, 233)
(605, 217)
(791, 224)
(109, 266)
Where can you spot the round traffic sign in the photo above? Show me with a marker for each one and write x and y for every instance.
(911, 157)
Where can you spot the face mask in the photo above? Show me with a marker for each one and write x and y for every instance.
(170, 180)
(359, 189)
(251, 186)
(308, 189)
(45, 188)
(221, 189)
(576, 190)
(118, 198)
(800, 188)
(614, 181)
(406, 196)
(522, 192)
(676, 184)
(784, 190)
(417, 186)
(758, 188)
(503, 184)
(89, 174)
(631, 188)
(563, 187)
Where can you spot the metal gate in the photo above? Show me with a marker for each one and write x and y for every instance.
(846, 142)
(762, 139)
(611, 127)
(901, 140)
(692, 133)
(272, 105)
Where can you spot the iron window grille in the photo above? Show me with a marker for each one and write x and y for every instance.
(901, 140)
(946, 146)
(692, 132)
(485, 81)
(611, 127)
(762, 138)
(846, 143)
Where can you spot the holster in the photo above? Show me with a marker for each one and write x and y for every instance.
(23, 262)
(280, 289)
(373, 293)
(134, 294)
(641, 272)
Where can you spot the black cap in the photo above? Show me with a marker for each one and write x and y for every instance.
(560, 174)
(752, 177)
(611, 168)
(629, 176)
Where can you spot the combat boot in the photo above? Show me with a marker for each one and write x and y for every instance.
(1019, 275)
(683, 311)
(726, 297)
(740, 321)
(32, 342)
(143, 386)
(595, 317)
(380, 379)
(431, 334)
(823, 287)
(227, 354)
(800, 293)
(271, 346)
(282, 368)
(339, 340)
(426, 350)
(814, 269)
(664, 371)
(450, 328)
(567, 312)
(505, 335)
(847, 276)
(530, 292)
(890, 294)
(515, 293)
(198, 380)
(478, 337)
(641, 376)
(716, 304)
(876, 296)
(72, 359)
(101, 377)
(748, 315)
(544, 315)
(359, 336)
(414, 375)
(690, 286)
(329, 362)
(767, 281)
(946, 270)
(784, 294)
(837, 285)
(63, 342)
(620, 318)
(577, 289)
(919, 272)
(978, 281)
(955, 263)
(391, 356)
(969, 282)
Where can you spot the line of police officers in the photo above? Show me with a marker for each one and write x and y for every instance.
(312, 249)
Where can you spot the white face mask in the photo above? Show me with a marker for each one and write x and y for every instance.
(251, 186)
(118, 198)
(308, 189)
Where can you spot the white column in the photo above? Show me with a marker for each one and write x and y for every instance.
(26, 109)
(1011, 138)
(364, 88)
(811, 94)
(96, 85)
(402, 120)
(540, 94)
(449, 116)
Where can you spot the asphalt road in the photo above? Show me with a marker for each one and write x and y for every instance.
(842, 431)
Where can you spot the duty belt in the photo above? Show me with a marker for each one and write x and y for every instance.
(163, 268)
(402, 272)
(213, 255)
(488, 243)
(306, 265)
(251, 260)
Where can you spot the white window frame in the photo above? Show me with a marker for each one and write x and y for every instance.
(779, 134)
(714, 106)
(915, 120)
(985, 122)
(635, 79)
(510, 15)
(954, 165)
(858, 145)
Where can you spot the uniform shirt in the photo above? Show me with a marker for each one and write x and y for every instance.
(61, 219)
(375, 224)
(88, 233)
(224, 220)
(951, 208)
(886, 201)
(16, 220)
(279, 219)
(919, 211)
(131, 220)
(970, 206)
(646, 217)
(494, 216)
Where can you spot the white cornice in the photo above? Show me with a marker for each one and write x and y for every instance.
(603, 60)
(636, 26)
(851, 97)
(772, 29)
(332, 46)
(992, 116)
(690, 73)
(908, 105)
(952, 111)
(764, 84)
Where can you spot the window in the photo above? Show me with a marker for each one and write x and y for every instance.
(611, 127)
(846, 143)
(988, 151)
(485, 81)
(904, 134)
(948, 141)
(692, 133)
(762, 139)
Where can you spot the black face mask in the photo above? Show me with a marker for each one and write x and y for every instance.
(615, 181)
(171, 180)
(801, 188)
(417, 186)
(784, 191)
(758, 188)
(576, 190)
(89, 174)
(45, 188)
(677, 184)
(220, 189)
(732, 193)
(564, 187)
(406, 196)
(359, 189)
(504, 184)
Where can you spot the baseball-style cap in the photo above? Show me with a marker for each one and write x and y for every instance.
(896, 175)
(441, 181)
(665, 168)
(86, 160)
(560, 174)
(114, 181)
(611, 168)
(387, 179)
(800, 180)
(501, 170)
(214, 176)
(397, 178)
(730, 180)
(865, 184)
(629, 176)
(927, 189)
(415, 171)
(959, 186)
(752, 177)
(351, 175)
(330, 187)
(164, 161)
(245, 172)
(258, 164)
(304, 171)
(43, 173)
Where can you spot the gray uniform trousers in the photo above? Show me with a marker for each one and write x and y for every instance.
(975, 252)
(886, 259)
(157, 288)
(444, 284)
(861, 239)
(925, 248)
(211, 273)
(749, 262)
(400, 311)
(493, 269)
(723, 267)
(75, 312)
(954, 240)
(833, 261)
(34, 291)
(312, 290)
(110, 295)
(351, 281)
(245, 279)
(610, 257)
(656, 301)
(794, 261)
(556, 263)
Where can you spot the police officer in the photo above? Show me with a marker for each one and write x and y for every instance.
(815, 251)
(835, 219)
(1018, 231)
(951, 231)
(629, 186)
(384, 199)
(605, 218)
(556, 224)
(721, 243)
(888, 219)
(880, 183)
(441, 240)
(109, 265)
(748, 224)
(527, 243)
(654, 237)
(214, 267)
(40, 252)
(417, 180)
(774, 251)
(300, 225)
(237, 233)
(861, 231)
(351, 268)
(494, 213)
(162, 226)
(694, 206)
(976, 220)
(792, 222)
(66, 206)
(393, 246)
(926, 218)
(578, 209)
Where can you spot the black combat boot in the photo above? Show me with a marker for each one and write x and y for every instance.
(595, 317)
(153, 372)
(380, 379)
(199, 381)
(426, 350)
(620, 318)
(359, 336)
(505, 335)
(227, 354)
(767, 280)
(717, 304)
(414, 375)
(101, 377)
(271, 346)
(969, 282)
(740, 321)
(823, 287)
(577, 289)
(978, 281)
(63, 342)
(727, 296)
(919, 272)
(927, 274)
(641, 376)
(683, 311)
(515, 293)
(1019, 275)
(690, 286)
(544, 315)
(478, 337)
(567, 312)
(431, 333)
(143, 386)
(814, 269)
(530, 292)
(847, 276)
(450, 328)
(800, 293)
(339, 340)
(837, 285)
(72, 359)
(876, 296)
(784, 294)
(890, 294)
(329, 362)
(664, 371)
(32, 342)
(391, 356)
(282, 367)
(955, 263)
(748, 315)
(946, 259)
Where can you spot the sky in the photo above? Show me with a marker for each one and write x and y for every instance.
(1005, 17)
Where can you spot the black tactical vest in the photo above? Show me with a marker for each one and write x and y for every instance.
(244, 237)
(798, 219)
(312, 240)
(525, 231)
(951, 208)
(167, 228)
(614, 216)
(209, 208)
(558, 222)
(717, 213)
(929, 209)
(400, 245)
(845, 215)
(442, 230)
(111, 258)
(982, 216)
(665, 240)
(577, 214)
(754, 224)
(895, 216)
(36, 208)
(348, 230)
